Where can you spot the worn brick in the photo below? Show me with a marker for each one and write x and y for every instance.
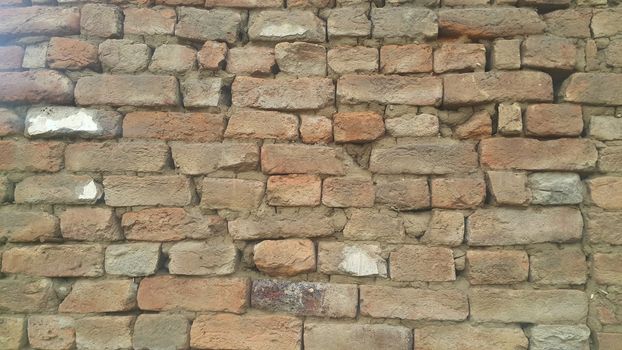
(553, 336)
(402, 192)
(71, 54)
(101, 332)
(347, 192)
(477, 127)
(12, 332)
(605, 22)
(100, 20)
(244, 3)
(161, 293)
(153, 331)
(608, 341)
(215, 256)
(305, 298)
(250, 60)
(601, 226)
(38, 20)
(508, 187)
(201, 25)
(320, 336)
(506, 54)
(124, 56)
(301, 59)
(418, 263)
(357, 127)
(31, 156)
(353, 59)
(100, 296)
(13, 124)
(149, 21)
(56, 189)
(337, 258)
(205, 158)
(422, 91)
(79, 260)
(127, 90)
(202, 92)
(458, 192)
(286, 94)
(371, 224)
(445, 227)
(348, 22)
(605, 128)
(413, 304)
(169, 126)
(413, 58)
(299, 159)
(593, 88)
(90, 224)
(553, 120)
(35, 55)
(27, 295)
(117, 156)
(606, 191)
(262, 125)
(51, 332)
(125, 191)
(235, 194)
(173, 58)
(316, 129)
(470, 337)
(170, 224)
(56, 121)
(20, 225)
(606, 268)
(562, 266)
(553, 188)
(497, 86)
(36, 87)
(261, 332)
(403, 22)
(294, 190)
(11, 57)
(413, 125)
(212, 55)
(497, 266)
(133, 259)
(288, 257)
(570, 23)
(286, 25)
(549, 52)
(527, 306)
(460, 57)
(531, 154)
(490, 22)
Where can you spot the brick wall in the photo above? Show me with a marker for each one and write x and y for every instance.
(315, 174)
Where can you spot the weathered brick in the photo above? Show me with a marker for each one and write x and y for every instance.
(608, 341)
(155, 331)
(348, 22)
(353, 59)
(601, 226)
(460, 57)
(235, 194)
(593, 88)
(477, 127)
(56, 189)
(402, 192)
(552, 188)
(19, 225)
(31, 156)
(212, 55)
(497, 86)
(606, 191)
(413, 58)
(27, 295)
(38, 20)
(101, 332)
(301, 59)
(149, 21)
(357, 127)
(413, 304)
(215, 256)
(36, 87)
(497, 266)
(261, 332)
(605, 22)
(262, 125)
(117, 157)
(133, 259)
(413, 125)
(549, 52)
(286, 25)
(488, 23)
(127, 191)
(56, 121)
(531, 154)
(161, 293)
(544, 337)
(12, 57)
(506, 54)
(458, 192)
(12, 124)
(294, 190)
(193, 127)
(202, 25)
(250, 60)
(299, 223)
(445, 227)
(205, 158)
(606, 268)
(305, 298)
(71, 54)
(12, 332)
(571, 23)
(173, 58)
(202, 92)
(51, 332)
(403, 22)
(124, 56)
(90, 224)
(288, 257)
(35, 55)
(606, 128)
(553, 120)
(337, 258)
(100, 296)
(347, 192)
(371, 224)
(316, 129)
(78, 260)
(320, 336)
(469, 337)
(505, 226)
(127, 90)
(422, 91)
(6, 189)
(286, 94)
(419, 263)
(508, 187)
(527, 306)
(244, 3)
(430, 156)
(170, 224)
(101, 20)
(299, 159)
(561, 266)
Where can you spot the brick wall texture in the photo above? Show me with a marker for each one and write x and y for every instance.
(311, 174)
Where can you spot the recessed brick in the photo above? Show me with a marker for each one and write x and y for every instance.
(262, 125)
(38, 20)
(117, 157)
(301, 159)
(235, 194)
(215, 256)
(341, 192)
(558, 266)
(153, 331)
(497, 266)
(127, 90)
(192, 127)
(171, 224)
(320, 336)
(421, 91)
(127, 191)
(285, 94)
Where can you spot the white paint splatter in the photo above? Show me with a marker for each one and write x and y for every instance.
(80, 121)
(359, 263)
(89, 191)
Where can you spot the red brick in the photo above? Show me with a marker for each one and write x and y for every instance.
(31, 156)
(459, 57)
(477, 127)
(235, 194)
(149, 21)
(72, 54)
(606, 191)
(212, 55)
(531, 154)
(88, 296)
(250, 60)
(420, 263)
(78, 260)
(169, 126)
(260, 332)
(341, 192)
(593, 88)
(497, 266)
(294, 190)
(608, 341)
(51, 332)
(421, 91)
(12, 124)
(458, 193)
(39, 20)
(413, 58)
(90, 224)
(508, 187)
(553, 120)
(488, 23)
(288, 257)
(162, 293)
(549, 52)
(36, 87)
(357, 127)
(262, 125)
(127, 90)
(11, 57)
(127, 191)
(170, 224)
(117, 156)
(301, 159)
(285, 94)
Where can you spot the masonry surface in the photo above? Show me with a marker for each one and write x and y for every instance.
(311, 174)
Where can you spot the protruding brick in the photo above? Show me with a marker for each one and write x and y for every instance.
(305, 298)
(469, 337)
(419, 263)
(517, 153)
(77, 260)
(413, 304)
(27, 295)
(160, 331)
(421, 91)
(201, 25)
(149, 21)
(212, 55)
(374, 225)
(347, 192)
(36, 87)
(509, 187)
(460, 57)
(173, 58)
(262, 125)
(294, 190)
(505, 226)
(127, 191)
(510, 119)
(36, 20)
(299, 159)
(593, 88)
(100, 296)
(171, 224)
(403, 22)
(497, 266)
(235, 194)
(336, 258)
(527, 306)
(90, 224)
(490, 22)
(458, 192)
(31, 156)
(161, 293)
(286, 25)
(558, 266)
(194, 127)
(353, 59)
(261, 332)
(216, 256)
(497, 86)
(58, 189)
(301, 59)
(100, 332)
(549, 52)
(288, 257)
(56, 121)
(319, 336)
(413, 58)
(71, 54)
(606, 191)
(286, 94)
(51, 332)
(250, 60)
(127, 90)
(101, 20)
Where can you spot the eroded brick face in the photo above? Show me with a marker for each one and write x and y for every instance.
(311, 174)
